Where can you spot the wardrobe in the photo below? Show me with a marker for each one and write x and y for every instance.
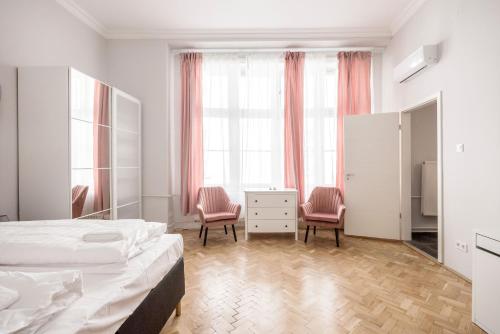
(79, 147)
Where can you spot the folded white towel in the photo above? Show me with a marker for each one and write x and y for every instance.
(103, 236)
(7, 297)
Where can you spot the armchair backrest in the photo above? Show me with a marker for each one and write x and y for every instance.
(213, 199)
(78, 196)
(326, 199)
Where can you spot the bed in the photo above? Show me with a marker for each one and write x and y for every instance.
(138, 297)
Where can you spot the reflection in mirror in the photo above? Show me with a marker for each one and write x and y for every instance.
(84, 148)
(90, 137)
(78, 197)
(99, 215)
(91, 191)
(88, 96)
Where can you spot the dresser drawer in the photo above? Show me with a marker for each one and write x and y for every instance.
(271, 200)
(272, 226)
(271, 213)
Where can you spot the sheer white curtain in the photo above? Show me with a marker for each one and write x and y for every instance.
(320, 120)
(243, 121)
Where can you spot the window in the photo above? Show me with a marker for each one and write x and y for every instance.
(320, 120)
(243, 121)
(243, 112)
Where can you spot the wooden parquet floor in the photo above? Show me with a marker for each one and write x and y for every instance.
(274, 284)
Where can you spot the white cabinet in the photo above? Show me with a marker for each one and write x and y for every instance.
(79, 147)
(127, 187)
(271, 211)
(485, 279)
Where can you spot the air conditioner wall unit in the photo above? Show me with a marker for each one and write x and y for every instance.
(419, 60)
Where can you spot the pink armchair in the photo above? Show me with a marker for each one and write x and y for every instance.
(78, 196)
(215, 209)
(325, 208)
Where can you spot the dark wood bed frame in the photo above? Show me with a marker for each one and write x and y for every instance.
(152, 314)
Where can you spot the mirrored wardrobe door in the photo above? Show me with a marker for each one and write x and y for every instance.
(90, 147)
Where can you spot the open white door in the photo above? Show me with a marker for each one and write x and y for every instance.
(372, 178)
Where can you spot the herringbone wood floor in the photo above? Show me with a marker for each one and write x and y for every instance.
(273, 284)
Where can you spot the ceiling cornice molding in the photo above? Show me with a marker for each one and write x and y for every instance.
(254, 34)
(83, 16)
(405, 15)
(381, 35)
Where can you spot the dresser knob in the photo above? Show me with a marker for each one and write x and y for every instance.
(256, 213)
(286, 201)
(255, 201)
(256, 226)
(286, 225)
(286, 213)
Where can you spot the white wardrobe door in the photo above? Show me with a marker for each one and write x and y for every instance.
(127, 194)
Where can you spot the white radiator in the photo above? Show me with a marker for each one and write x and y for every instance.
(429, 205)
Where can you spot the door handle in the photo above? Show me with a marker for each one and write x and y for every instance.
(348, 176)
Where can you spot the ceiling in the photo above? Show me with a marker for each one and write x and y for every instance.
(150, 18)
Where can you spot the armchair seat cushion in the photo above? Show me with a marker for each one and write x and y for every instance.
(211, 217)
(322, 216)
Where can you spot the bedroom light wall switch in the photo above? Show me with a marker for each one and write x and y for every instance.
(460, 148)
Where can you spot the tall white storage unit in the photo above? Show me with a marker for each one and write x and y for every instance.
(76, 133)
(127, 155)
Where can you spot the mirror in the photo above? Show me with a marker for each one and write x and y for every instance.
(90, 147)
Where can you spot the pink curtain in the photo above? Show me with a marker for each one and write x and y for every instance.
(294, 122)
(354, 97)
(101, 148)
(191, 131)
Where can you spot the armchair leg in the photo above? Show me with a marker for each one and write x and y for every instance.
(234, 233)
(337, 236)
(225, 229)
(201, 230)
(205, 239)
(307, 233)
(314, 230)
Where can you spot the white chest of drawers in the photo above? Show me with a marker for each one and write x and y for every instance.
(271, 211)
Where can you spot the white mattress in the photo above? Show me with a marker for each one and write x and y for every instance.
(109, 298)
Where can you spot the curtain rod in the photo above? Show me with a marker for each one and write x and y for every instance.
(263, 50)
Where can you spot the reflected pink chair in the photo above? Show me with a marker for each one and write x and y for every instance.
(78, 196)
(325, 208)
(215, 209)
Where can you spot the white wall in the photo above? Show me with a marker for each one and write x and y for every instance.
(423, 148)
(469, 77)
(140, 68)
(37, 32)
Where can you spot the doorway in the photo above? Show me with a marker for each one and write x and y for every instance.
(421, 198)
(393, 182)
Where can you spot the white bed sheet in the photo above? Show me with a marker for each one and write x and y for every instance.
(109, 298)
(54, 242)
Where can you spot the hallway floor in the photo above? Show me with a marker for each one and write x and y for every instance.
(426, 242)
